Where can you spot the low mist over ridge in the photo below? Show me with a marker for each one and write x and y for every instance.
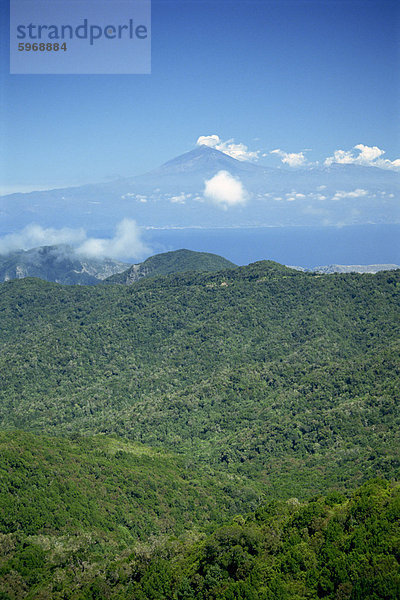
(60, 264)
(63, 264)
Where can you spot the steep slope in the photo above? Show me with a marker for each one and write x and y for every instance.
(330, 547)
(70, 508)
(284, 377)
(177, 261)
(83, 484)
(57, 263)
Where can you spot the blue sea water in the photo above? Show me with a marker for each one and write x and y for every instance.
(301, 246)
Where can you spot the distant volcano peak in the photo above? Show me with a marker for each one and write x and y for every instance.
(203, 158)
(200, 153)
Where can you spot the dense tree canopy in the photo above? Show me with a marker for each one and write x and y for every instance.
(201, 435)
(281, 376)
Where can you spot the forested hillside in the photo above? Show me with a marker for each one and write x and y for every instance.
(137, 419)
(177, 261)
(332, 547)
(261, 370)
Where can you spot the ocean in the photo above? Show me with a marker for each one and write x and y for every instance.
(298, 246)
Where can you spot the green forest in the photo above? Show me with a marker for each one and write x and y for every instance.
(177, 261)
(213, 435)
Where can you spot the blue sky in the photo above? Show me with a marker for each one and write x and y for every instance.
(317, 75)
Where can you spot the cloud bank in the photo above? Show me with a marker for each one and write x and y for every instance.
(358, 193)
(293, 159)
(360, 154)
(225, 190)
(239, 151)
(126, 242)
(370, 156)
(35, 235)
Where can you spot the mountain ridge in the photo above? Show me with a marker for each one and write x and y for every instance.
(62, 264)
(176, 261)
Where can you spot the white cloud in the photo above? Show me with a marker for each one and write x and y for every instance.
(309, 196)
(126, 242)
(341, 157)
(180, 198)
(368, 153)
(341, 194)
(34, 235)
(239, 151)
(138, 197)
(225, 190)
(293, 159)
(293, 195)
(370, 156)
